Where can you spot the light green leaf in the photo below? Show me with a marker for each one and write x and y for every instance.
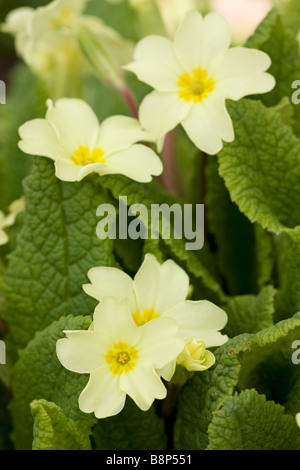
(249, 422)
(261, 361)
(52, 430)
(204, 393)
(254, 164)
(279, 42)
(250, 313)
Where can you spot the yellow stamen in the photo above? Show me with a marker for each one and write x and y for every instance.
(148, 315)
(121, 358)
(195, 87)
(83, 156)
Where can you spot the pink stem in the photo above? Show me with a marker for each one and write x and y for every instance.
(130, 100)
(169, 177)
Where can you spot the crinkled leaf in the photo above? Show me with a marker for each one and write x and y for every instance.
(250, 313)
(261, 361)
(56, 247)
(52, 430)
(261, 166)
(280, 43)
(249, 422)
(38, 374)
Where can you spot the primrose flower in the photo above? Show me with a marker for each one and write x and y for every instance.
(160, 291)
(8, 220)
(192, 77)
(120, 358)
(48, 38)
(72, 137)
(297, 417)
(194, 357)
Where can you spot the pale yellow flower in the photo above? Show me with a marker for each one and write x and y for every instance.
(160, 291)
(192, 77)
(47, 39)
(73, 138)
(120, 357)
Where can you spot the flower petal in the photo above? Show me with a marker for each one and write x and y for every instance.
(82, 351)
(75, 123)
(202, 130)
(110, 282)
(138, 162)
(3, 237)
(167, 371)
(66, 170)
(114, 317)
(38, 138)
(146, 283)
(239, 72)
(188, 40)
(216, 37)
(143, 385)
(173, 287)
(102, 395)
(161, 112)
(156, 64)
(159, 342)
(118, 133)
(200, 320)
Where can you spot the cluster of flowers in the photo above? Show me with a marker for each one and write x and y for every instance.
(144, 326)
(192, 76)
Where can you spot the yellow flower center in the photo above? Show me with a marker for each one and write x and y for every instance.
(121, 358)
(83, 156)
(148, 315)
(195, 87)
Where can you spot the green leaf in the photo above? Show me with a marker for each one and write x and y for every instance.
(250, 313)
(261, 361)
(290, 13)
(56, 247)
(254, 164)
(279, 42)
(249, 422)
(132, 429)
(204, 393)
(52, 430)
(39, 375)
